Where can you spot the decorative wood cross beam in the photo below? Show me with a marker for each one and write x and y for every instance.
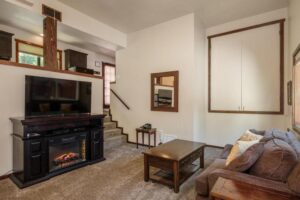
(50, 36)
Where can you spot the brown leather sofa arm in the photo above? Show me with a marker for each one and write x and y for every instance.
(249, 179)
(226, 151)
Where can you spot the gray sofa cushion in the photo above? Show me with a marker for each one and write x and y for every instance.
(276, 162)
(202, 179)
(294, 142)
(294, 179)
(226, 151)
(247, 159)
(275, 134)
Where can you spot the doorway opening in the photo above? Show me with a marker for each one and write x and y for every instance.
(109, 77)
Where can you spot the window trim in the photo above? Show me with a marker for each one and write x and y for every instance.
(18, 41)
(103, 77)
(281, 24)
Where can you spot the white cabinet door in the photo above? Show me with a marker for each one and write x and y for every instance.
(261, 69)
(226, 73)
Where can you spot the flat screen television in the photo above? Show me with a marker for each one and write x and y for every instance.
(49, 96)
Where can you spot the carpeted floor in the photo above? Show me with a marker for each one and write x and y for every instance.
(120, 177)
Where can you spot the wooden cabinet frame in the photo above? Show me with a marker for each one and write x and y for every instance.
(295, 54)
(281, 24)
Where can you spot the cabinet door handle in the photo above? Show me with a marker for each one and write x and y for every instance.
(239, 108)
(243, 108)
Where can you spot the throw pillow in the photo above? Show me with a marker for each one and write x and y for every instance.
(250, 136)
(276, 162)
(247, 159)
(239, 148)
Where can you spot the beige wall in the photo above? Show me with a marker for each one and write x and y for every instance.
(226, 128)
(165, 47)
(181, 44)
(12, 101)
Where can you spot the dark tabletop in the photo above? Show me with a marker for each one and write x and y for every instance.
(175, 149)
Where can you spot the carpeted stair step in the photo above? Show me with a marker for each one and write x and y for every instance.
(114, 141)
(107, 118)
(110, 125)
(106, 112)
(111, 133)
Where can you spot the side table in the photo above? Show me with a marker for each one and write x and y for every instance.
(145, 131)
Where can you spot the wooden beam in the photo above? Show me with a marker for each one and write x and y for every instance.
(50, 42)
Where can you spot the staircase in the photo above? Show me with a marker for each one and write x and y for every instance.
(113, 136)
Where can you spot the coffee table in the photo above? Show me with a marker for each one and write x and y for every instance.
(175, 159)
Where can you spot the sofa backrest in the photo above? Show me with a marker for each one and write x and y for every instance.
(276, 162)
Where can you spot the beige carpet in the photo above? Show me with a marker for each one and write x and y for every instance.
(120, 177)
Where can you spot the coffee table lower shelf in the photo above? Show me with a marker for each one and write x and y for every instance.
(167, 177)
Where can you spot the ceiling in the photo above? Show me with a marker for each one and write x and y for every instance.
(32, 22)
(132, 15)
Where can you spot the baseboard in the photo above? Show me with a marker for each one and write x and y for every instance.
(5, 176)
(213, 146)
(140, 144)
(117, 123)
(130, 142)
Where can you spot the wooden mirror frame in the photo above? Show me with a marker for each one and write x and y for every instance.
(176, 89)
(295, 54)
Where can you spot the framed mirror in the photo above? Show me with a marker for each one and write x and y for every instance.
(164, 91)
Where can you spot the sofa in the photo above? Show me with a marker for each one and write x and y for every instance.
(276, 169)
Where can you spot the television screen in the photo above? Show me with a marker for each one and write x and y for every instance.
(48, 96)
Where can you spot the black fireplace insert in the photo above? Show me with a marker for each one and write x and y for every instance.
(67, 150)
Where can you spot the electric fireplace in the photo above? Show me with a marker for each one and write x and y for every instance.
(67, 150)
(47, 146)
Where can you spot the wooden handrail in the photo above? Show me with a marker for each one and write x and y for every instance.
(118, 97)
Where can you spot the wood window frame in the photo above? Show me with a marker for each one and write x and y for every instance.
(18, 41)
(281, 24)
(176, 90)
(103, 77)
(296, 52)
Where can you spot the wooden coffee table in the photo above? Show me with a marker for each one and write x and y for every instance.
(176, 158)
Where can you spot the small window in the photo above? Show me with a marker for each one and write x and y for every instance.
(32, 54)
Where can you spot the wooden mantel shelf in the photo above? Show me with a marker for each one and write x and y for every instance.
(14, 64)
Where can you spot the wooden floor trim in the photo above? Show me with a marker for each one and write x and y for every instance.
(5, 176)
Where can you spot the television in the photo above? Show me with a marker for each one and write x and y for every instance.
(49, 96)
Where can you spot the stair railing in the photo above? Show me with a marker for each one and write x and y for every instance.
(120, 99)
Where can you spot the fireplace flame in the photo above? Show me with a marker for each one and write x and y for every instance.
(66, 157)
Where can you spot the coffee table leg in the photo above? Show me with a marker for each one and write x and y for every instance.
(202, 158)
(146, 168)
(176, 176)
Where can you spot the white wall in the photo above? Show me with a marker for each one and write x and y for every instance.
(226, 128)
(12, 101)
(181, 44)
(165, 47)
(23, 35)
(294, 40)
